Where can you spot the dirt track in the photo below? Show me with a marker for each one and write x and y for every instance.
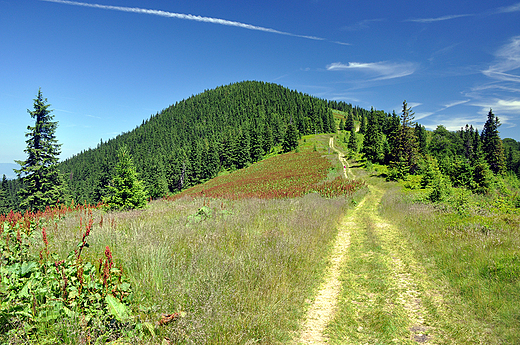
(401, 271)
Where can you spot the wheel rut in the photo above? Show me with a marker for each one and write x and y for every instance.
(401, 295)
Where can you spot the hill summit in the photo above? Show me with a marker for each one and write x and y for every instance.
(189, 142)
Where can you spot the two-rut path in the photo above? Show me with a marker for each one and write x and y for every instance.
(401, 270)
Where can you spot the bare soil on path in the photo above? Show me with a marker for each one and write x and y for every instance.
(401, 274)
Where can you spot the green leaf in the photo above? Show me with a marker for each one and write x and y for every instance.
(117, 309)
(28, 267)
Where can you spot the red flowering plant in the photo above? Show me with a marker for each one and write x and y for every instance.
(37, 291)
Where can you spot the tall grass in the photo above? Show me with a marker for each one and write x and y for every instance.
(475, 252)
(243, 273)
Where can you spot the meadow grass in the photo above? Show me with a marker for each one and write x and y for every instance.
(240, 270)
(472, 252)
(245, 274)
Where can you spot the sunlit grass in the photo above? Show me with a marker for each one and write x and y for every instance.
(476, 256)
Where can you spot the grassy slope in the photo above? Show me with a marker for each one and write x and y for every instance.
(419, 273)
(248, 272)
(244, 274)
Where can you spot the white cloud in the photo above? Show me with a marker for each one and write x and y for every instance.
(507, 61)
(438, 19)
(381, 70)
(454, 123)
(455, 103)
(189, 17)
(509, 9)
(419, 116)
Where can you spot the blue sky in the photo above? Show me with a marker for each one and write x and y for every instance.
(106, 65)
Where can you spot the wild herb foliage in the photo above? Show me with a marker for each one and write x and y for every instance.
(87, 298)
(283, 176)
(190, 142)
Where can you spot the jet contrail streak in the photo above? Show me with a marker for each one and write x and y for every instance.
(187, 17)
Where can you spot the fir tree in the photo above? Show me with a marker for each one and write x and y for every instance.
(42, 183)
(126, 191)
(349, 124)
(4, 196)
(290, 141)
(373, 140)
(492, 145)
(352, 141)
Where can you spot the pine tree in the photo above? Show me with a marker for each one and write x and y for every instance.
(126, 191)
(373, 140)
(42, 183)
(492, 145)
(4, 197)
(352, 141)
(290, 141)
(349, 124)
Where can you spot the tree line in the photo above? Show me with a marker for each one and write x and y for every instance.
(463, 158)
(185, 144)
(236, 125)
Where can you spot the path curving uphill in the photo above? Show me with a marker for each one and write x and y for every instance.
(346, 301)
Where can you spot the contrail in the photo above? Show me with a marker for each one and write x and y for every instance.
(187, 17)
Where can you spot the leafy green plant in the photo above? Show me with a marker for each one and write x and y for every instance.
(35, 292)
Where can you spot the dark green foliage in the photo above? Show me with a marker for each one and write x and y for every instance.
(290, 141)
(341, 125)
(126, 191)
(420, 134)
(42, 183)
(4, 196)
(405, 153)
(492, 145)
(352, 141)
(363, 125)
(349, 124)
(373, 140)
(225, 128)
(154, 178)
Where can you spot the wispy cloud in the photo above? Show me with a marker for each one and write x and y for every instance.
(438, 19)
(189, 17)
(381, 70)
(455, 103)
(509, 9)
(507, 60)
(364, 24)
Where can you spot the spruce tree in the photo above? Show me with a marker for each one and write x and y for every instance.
(4, 194)
(363, 125)
(126, 191)
(492, 144)
(349, 124)
(405, 147)
(42, 183)
(352, 141)
(373, 140)
(290, 141)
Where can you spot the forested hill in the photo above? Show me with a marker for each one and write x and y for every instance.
(189, 142)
